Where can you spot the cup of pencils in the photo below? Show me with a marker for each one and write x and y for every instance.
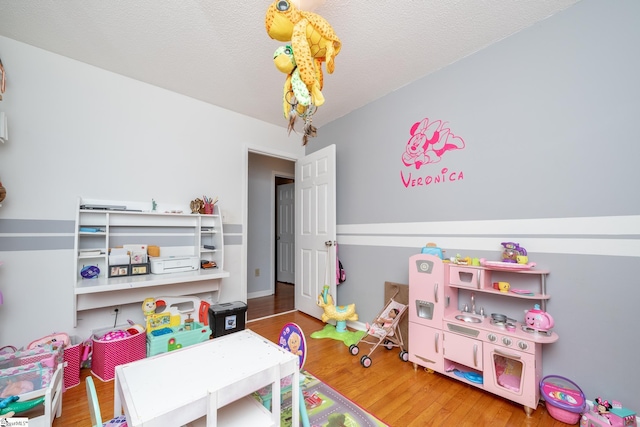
(209, 204)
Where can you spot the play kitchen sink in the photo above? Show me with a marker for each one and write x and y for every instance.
(468, 318)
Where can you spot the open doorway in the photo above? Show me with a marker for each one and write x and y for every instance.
(270, 258)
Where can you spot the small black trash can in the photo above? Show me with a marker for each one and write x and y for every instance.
(227, 318)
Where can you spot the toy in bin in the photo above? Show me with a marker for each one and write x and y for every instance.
(565, 400)
(609, 414)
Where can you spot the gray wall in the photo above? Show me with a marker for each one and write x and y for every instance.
(548, 118)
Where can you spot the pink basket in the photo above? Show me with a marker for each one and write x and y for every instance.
(72, 358)
(563, 415)
(565, 401)
(109, 354)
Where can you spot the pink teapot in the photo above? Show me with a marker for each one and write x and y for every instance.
(538, 319)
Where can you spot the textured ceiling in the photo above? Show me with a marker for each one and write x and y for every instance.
(219, 52)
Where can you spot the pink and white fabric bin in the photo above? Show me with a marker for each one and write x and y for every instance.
(73, 361)
(112, 348)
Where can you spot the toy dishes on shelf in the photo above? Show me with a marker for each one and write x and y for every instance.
(506, 265)
(501, 286)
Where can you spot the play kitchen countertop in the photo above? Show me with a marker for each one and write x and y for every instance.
(485, 325)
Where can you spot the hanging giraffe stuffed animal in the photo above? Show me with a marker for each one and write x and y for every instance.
(313, 41)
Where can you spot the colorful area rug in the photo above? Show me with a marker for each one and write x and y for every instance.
(328, 408)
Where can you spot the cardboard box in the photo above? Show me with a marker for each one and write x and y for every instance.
(227, 318)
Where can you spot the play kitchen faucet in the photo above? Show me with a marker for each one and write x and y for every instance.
(473, 306)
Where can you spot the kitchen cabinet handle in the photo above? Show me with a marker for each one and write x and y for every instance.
(475, 355)
(507, 354)
(435, 344)
(435, 292)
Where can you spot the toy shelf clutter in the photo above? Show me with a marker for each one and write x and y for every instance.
(178, 236)
(493, 352)
(175, 322)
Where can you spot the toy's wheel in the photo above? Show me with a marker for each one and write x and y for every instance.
(388, 344)
(365, 361)
(353, 349)
(404, 356)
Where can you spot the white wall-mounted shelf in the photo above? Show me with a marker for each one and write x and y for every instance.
(177, 235)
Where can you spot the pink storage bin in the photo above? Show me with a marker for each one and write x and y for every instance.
(73, 361)
(107, 355)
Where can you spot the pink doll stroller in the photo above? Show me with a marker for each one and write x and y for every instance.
(384, 330)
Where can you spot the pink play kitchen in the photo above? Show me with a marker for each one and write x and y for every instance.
(498, 350)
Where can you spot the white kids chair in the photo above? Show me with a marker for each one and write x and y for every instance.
(94, 409)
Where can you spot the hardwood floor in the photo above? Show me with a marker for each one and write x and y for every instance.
(390, 389)
(282, 301)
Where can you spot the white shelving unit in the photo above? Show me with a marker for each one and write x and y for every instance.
(177, 234)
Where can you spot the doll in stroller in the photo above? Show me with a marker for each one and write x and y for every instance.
(385, 331)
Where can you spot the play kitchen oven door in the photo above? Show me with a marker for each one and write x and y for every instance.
(426, 290)
(510, 366)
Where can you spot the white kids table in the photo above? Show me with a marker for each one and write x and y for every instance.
(175, 388)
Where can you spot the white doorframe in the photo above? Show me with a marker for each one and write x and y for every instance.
(263, 151)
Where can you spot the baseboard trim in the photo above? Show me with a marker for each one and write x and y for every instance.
(273, 315)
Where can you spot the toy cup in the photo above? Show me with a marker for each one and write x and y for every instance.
(504, 286)
(522, 259)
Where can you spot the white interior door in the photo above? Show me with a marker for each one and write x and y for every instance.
(315, 223)
(285, 232)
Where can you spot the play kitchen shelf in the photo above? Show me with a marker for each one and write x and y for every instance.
(103, 225)
(502, 358)
(481, 279)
